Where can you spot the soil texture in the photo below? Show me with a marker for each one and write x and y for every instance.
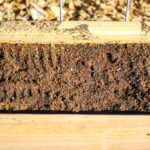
(75, 78)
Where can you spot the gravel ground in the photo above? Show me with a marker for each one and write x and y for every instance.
(102, 10)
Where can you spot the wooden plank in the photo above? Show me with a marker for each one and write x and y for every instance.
(71, 132)
(74, 32)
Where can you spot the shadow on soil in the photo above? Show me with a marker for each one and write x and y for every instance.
(88, 113)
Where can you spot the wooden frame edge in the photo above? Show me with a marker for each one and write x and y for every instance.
(74, 32)
(98, 132)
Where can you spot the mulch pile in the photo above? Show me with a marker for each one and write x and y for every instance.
(100, 10)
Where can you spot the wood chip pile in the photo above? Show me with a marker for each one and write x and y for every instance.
(102, 10)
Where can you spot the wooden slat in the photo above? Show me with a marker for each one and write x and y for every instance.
(73, 32)
(74, 132)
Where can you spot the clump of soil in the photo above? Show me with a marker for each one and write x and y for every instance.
(75, 78)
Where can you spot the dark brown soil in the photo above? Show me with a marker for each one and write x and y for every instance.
(75, 78)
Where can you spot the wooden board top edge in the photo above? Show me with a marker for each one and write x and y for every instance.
(75, 116)
(74, 32)
(71, 132)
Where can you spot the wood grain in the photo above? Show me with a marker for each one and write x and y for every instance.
(74, 32)
(98, 132)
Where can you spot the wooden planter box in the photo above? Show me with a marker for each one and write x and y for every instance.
(74, 131)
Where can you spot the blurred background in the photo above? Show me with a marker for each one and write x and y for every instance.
(100, 10)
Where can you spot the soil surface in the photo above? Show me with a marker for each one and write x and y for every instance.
(75, 78)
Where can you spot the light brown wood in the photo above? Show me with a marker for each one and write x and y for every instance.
(71, 132)
(74, 32)
(74, 132)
